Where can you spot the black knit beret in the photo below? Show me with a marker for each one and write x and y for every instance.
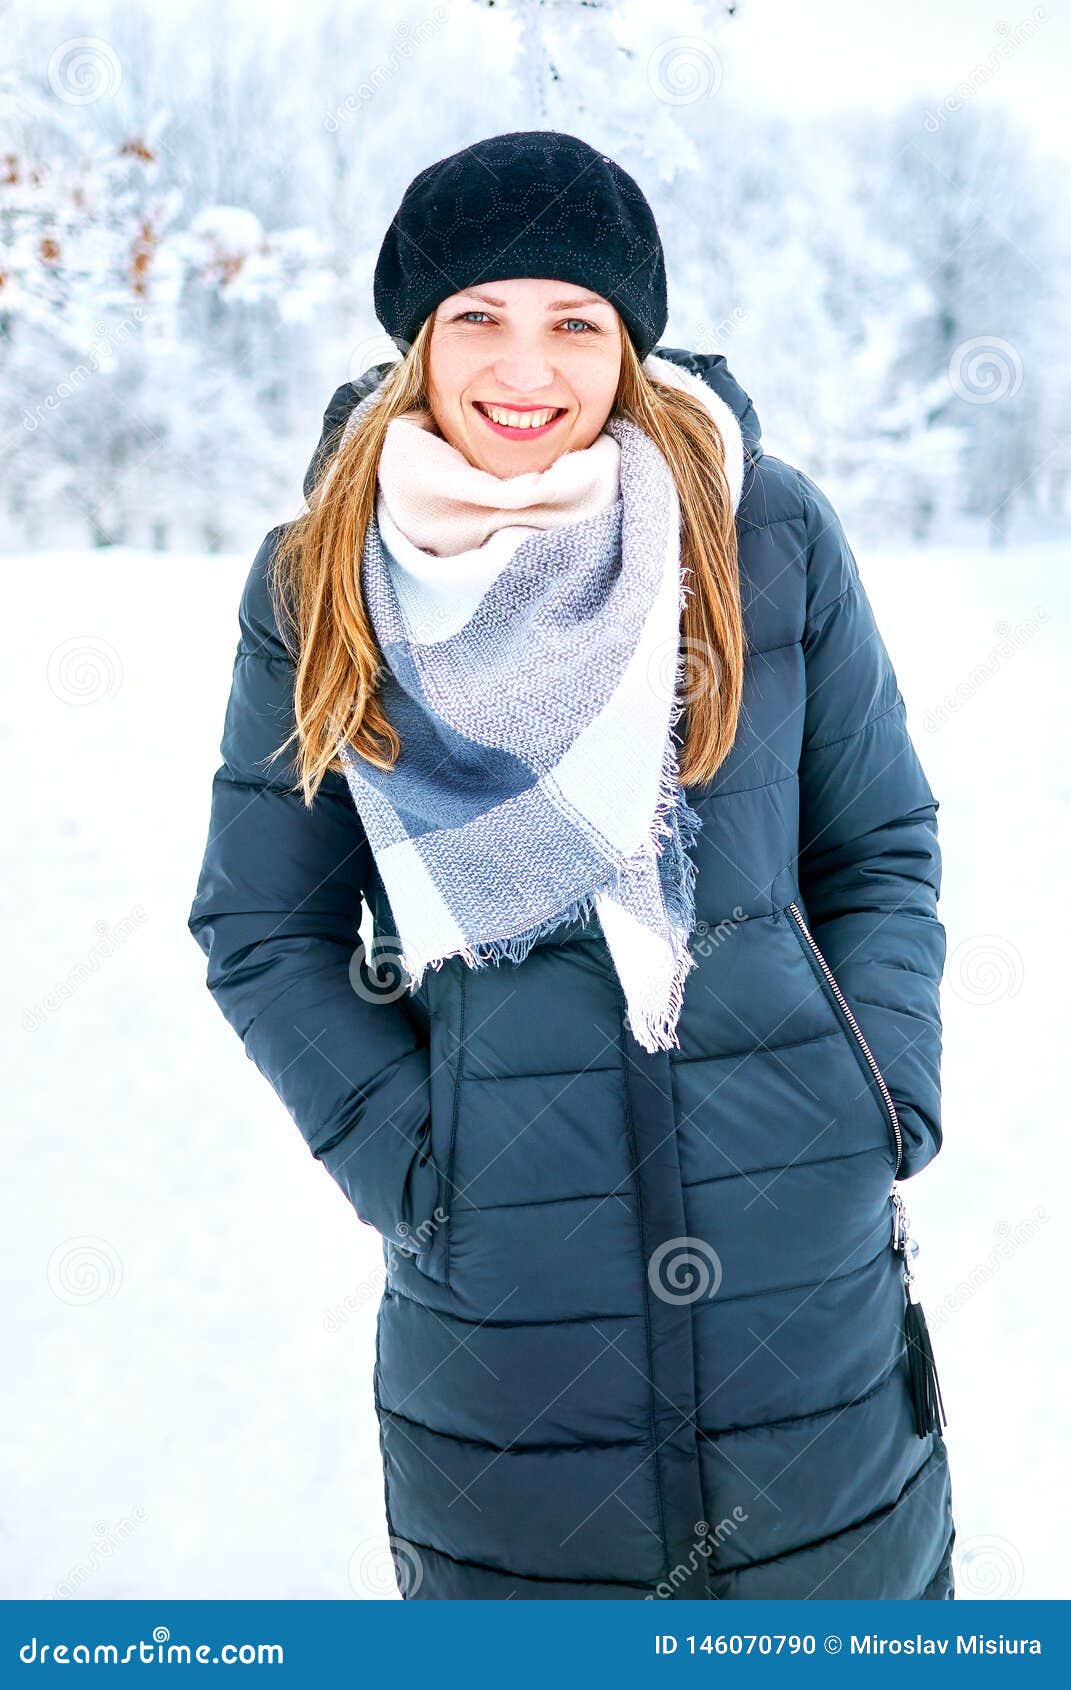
(530, 203)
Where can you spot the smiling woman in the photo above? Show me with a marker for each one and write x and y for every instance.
(648, 1266)
(514, 380)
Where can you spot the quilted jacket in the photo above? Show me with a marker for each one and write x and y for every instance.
(642, 1330)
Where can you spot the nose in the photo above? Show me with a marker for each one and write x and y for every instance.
(523, 370)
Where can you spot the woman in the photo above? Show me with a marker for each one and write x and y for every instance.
(629, 1112)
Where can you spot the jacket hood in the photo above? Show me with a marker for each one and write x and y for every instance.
(710, 367)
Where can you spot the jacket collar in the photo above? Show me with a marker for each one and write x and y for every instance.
(679, 375)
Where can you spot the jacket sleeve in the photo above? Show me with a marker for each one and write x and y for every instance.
(869, 861)
(277, 911)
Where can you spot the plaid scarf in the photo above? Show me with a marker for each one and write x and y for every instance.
(537, 782)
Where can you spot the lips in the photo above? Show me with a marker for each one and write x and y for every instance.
(525, 432)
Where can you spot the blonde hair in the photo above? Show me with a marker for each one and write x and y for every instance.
(315, 579)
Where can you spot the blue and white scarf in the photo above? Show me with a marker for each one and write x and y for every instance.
(537, 782)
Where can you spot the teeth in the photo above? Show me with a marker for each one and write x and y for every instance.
(519, 419)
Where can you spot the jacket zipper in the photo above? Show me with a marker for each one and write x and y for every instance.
(925, 1389)
(879, 1077)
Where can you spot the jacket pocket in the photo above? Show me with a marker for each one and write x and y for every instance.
(923, 1385)
(839, 1003)
(427, 1251)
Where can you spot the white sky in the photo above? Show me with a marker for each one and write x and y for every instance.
(824, 55)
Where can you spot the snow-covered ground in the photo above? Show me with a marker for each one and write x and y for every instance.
(191, 1302)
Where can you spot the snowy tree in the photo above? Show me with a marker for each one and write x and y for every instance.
(191, 210)
(977, 219)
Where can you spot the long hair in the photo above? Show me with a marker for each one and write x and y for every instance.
(315, 579)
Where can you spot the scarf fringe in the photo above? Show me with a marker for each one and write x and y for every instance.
(673, 813)
(680, 906)
(656, 1028)
(513, 947)
(674, 820)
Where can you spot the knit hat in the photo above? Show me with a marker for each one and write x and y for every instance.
(530, 203)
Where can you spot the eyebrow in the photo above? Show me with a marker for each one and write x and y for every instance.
(554, 305)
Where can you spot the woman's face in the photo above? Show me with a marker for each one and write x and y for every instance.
(503, 352)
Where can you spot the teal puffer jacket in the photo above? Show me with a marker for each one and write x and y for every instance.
(643, 1327)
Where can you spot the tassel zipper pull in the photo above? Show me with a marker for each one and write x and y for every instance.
(925, 1387)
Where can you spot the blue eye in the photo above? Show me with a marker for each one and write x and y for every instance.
(590, 328)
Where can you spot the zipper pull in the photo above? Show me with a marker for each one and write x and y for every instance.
(899, 1220)
(904, 1242)
(901, 1235)
(898, 1209)
(923, 1383)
